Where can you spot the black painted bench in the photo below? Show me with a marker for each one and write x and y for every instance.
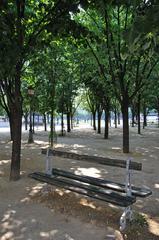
(123, 195)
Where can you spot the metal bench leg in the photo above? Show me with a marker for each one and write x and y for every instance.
(48, 167)
(127, 214)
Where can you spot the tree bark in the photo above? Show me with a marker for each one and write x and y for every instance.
(158, 111)
(99, 120)
(115, 117)
(68, 122)
(138, 113)
(94, 120)
(33, 114)
(144, 116)
(52, 128)
(125, 114)
(106, 128)
(45, 122)
(71, 121)
(26, 121)
(62, 124)
(132, 116)
(16, 125)
(118, 118)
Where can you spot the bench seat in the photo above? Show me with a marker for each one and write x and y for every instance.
(84, 188)
(115, 186)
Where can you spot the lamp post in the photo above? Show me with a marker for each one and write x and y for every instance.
(30, 94)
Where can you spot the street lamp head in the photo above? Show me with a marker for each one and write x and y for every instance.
(30, 91)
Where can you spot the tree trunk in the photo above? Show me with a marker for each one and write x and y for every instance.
(118, 118)
(125, 114)
(110, 119)
(99, 120)
(68, 122)
(52, 129)
(71, 121)
(106, 128)
(16, 125)
(26, 121)
(144, 116)
(45, 122)
(62, 124)
(132, 116)
(138, 114)
(158, 111)
(33, 122)
(91, 120)
(94, 120)
(115, 117)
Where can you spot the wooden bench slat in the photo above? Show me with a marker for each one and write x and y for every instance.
(136, 191)
(94, 159)
(91, 191)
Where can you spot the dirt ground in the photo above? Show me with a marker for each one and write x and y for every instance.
(30, 210)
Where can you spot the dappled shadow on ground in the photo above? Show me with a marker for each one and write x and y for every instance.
(24, 219)
(14, 222)
(94, 212)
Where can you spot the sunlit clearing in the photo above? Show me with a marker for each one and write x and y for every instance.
(8, 236)
(92, 172)
(156, 185)
(48, 234)
(85, 202)
(4, 162)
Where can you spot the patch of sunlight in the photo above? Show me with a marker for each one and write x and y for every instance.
(78, 146)
(4, 161)
(22, 172)
(33, 220)
(116, 148)
(7, 146)
(25, 200)
(156, 185)
(11, 225)
(48, 234)
(67, 237)
(113, 206)
(8, 215)
(38, 142)
(59, 191)
(36, 189)
(92, 172)
(8, 236)
(85, 202)
(153, 226)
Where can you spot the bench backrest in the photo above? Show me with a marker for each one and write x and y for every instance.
(94, 159)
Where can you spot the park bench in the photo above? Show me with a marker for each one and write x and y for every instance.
(123, 195)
